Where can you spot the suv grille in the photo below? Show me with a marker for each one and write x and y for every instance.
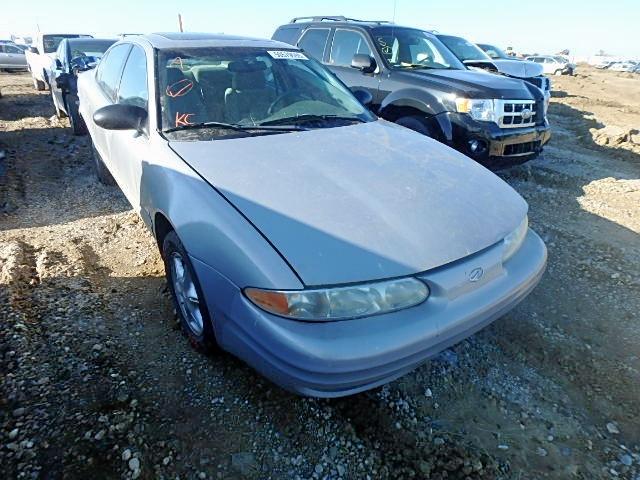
(522, 148)
(516, 113)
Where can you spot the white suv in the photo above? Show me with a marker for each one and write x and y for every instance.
(554, 64)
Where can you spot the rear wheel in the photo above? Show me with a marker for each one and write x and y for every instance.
(187, 294)
(415, 123)
(75, 120)
(558, 72)
(38, 84)
(102, 172)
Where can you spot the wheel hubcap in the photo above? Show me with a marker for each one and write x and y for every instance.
(186, 294)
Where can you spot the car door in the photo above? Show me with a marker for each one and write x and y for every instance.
(107, 79)
(345, 43)
(127, 148)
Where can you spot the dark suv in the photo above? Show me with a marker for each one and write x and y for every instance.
(417, 82)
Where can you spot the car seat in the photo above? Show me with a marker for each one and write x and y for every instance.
(248, 98)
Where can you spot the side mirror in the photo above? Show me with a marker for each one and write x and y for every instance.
(363, 62)
(363, 96)
(33, 49)
(58, 64)
(120, 117)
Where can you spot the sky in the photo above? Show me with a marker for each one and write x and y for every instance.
(540, 26)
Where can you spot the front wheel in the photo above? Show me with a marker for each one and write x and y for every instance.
(415, 123)
(75, 120)
(187, 294)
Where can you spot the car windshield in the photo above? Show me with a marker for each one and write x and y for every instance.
(493, 51)
(411, 48)
(462, 48)
(89, 48)
(251, 87)
(51, 42)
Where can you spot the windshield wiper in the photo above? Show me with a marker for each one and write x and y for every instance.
(311, 118)
(421, 66)
(233, 126)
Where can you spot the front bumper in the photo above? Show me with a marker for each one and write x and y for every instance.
(502, 147)
(331, 359)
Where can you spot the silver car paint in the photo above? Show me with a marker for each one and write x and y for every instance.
(518, 68)
(361, 202)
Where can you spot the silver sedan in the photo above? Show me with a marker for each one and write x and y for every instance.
(329, 249)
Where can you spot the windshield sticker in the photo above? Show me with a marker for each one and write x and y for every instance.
(176, 62)
(183, 119)
(386, 49)
(287, 55)
(180, 88)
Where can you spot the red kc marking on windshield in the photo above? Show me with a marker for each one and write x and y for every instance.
(180, 88)
(183, 119)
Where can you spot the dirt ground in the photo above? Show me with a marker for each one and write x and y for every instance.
(97, 381)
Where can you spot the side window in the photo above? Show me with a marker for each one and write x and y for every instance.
(12, 49)
(133, 86)
(313, 42)
(110, 68)
(346, 43)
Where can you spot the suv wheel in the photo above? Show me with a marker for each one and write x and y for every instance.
(558, 72)
(187, 294)
(415, 123)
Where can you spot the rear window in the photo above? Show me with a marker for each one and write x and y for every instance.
(287, 35)
(314, 41)
(51, 42)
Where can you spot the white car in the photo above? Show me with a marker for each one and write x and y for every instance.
(554, 64)
(623, 67)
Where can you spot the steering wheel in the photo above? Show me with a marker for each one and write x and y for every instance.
(296, 93)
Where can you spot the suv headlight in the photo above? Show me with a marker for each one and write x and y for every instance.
(341, 302)
(482, 110)
(513, 241)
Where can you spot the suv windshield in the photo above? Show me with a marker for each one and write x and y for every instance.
(251, 87)
(463, 49)
(411, 48)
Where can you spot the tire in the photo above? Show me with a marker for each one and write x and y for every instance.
(75, 119)
(102, 172)
(194, 317)
(415, 123)
(38, 84)
(558, 72)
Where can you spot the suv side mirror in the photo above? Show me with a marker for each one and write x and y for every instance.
(363, 62)
(363, 96)
(33, 49)
(120, 117)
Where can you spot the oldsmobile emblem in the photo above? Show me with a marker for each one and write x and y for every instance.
(476, 274)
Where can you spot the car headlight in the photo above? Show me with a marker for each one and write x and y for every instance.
(341, 302)
(483, 110)
(513, 241)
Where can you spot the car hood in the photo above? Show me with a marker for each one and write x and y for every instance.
(361, 202)
(515, 68)
(472, 84)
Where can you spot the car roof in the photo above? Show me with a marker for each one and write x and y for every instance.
(84, 40)
(170, 40)
(340, 21)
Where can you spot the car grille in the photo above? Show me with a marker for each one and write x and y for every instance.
(521, 148)
(510, 113)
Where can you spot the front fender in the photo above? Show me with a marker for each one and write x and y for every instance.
(210, 228)
(413, 98)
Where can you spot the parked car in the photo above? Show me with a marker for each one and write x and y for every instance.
(474, 57)
(603, 65)
(622, 67)
(41, 55)
(74, 55)
(331, 250)
(12, 57)
(554, 65)
(418, 83)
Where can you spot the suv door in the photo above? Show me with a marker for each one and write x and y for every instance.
(314, 42)
(12, 57)
(127, 148)
(345, 43)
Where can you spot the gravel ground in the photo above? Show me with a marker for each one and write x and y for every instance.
(97, 381)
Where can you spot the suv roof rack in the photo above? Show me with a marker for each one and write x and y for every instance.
(334, 18)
